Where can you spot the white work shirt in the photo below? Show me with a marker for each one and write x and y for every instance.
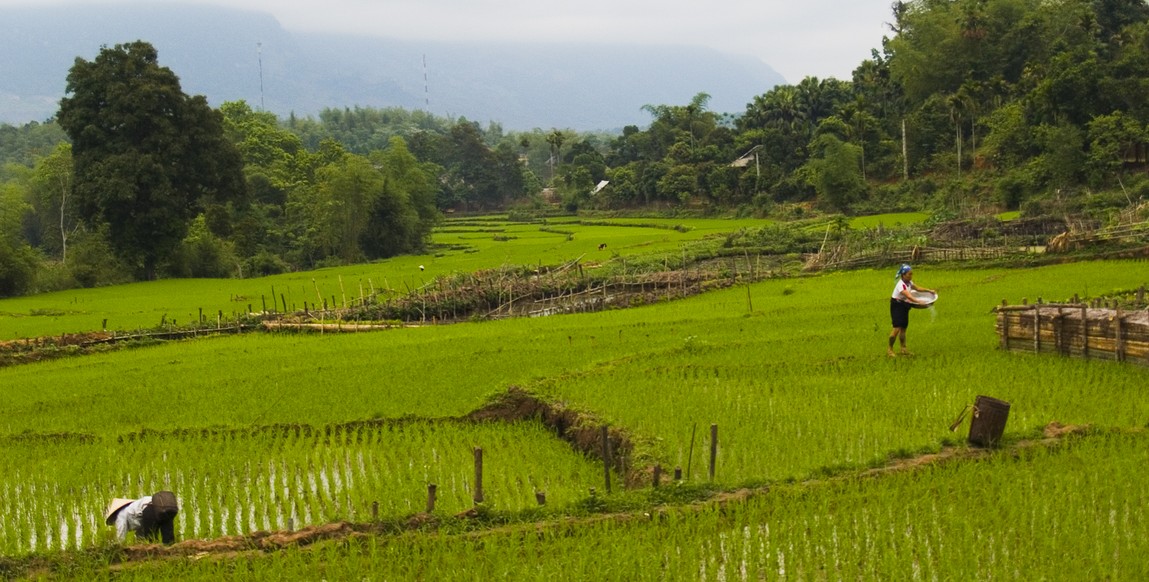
(130, 518)
(899, 287)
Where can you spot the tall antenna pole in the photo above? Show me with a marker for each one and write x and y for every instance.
(426, 88)
(259, 56)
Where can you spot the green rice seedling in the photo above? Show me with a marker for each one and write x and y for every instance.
(804, 372)
(888, 220)
(799, 384)
(227, 483)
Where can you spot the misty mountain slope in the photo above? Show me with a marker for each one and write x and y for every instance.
(228, 54)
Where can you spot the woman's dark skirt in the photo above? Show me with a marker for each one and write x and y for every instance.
(899, 313)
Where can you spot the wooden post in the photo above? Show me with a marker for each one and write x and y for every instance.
(264, 299)
(105, 325)
(1037, 328)
(1119, 348)
(713, 448)
(478, 475)
(1141, 295)
(657, 475)
(690, 456)
(318, 295)
(678, 473)
(290, 524)
(683, 277)
(606, 456)
(1084, 331)
(541, 497)
(374, 511)
(1058, 332)
(1004, 327)
(431, 489)
(284, 300)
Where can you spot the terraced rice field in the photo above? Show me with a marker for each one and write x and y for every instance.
(266, 431)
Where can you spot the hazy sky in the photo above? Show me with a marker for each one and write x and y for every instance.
(798, 38)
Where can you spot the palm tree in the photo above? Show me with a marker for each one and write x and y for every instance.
(697, 106)
(780, 108)
(555, 139)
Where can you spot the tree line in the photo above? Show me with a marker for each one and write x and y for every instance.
(969, 106)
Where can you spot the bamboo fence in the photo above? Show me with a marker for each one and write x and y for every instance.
(1125, 231)
(1075, 329)
(841, 259)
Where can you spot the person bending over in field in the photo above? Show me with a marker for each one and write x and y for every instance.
(901, 302)
(147, 516)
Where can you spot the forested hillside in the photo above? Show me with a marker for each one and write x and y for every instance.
(969, 108)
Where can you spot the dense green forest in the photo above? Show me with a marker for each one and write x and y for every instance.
(969, 107)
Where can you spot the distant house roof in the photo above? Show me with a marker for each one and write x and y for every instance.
(744, 160)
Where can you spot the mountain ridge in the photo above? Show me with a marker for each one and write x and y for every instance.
(230, 54)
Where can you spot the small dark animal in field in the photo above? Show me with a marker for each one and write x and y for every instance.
(602, 246)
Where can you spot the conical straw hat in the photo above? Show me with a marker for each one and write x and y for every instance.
(116, 505)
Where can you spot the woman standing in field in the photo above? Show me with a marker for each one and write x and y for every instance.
(901, 302)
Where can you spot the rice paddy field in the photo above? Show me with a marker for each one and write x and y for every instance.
(279, 431)
(461, 246)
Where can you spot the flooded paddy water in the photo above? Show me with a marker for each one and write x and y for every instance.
(53, 494)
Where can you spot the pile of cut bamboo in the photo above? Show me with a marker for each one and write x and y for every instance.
(1075, 329)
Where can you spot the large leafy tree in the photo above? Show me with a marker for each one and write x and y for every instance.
(480, 177)
(274, 161)
(350, 186)
(147, 157)
(51, 185)
(835, 171)
(403, 213)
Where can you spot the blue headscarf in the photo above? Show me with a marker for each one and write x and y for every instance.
(906, 268)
